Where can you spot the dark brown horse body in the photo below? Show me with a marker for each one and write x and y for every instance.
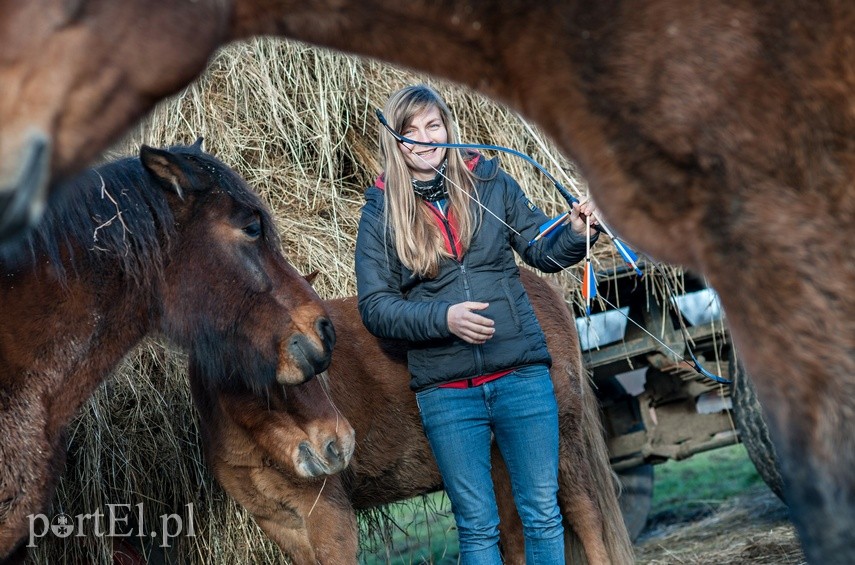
(714, 135)
(312, 518)
(173, 242)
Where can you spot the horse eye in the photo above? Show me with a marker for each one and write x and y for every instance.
(253, 230)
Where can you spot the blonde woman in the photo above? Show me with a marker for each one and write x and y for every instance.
(435, 267)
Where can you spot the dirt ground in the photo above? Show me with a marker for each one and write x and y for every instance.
(750, 529)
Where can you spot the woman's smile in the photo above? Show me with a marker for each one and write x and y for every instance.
(426, 126)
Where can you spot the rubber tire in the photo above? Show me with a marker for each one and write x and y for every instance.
(752, 428)
(636, 498)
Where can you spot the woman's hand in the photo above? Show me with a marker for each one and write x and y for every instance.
(467, 325)
(579, 216)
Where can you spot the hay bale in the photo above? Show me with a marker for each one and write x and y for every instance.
(298, 123)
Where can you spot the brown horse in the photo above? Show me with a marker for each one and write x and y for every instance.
(260, 449)
(718, 136)
(173, 241)
(311, 517)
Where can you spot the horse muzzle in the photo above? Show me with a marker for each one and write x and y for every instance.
(307, 357)
(329, 458)
(23, 196)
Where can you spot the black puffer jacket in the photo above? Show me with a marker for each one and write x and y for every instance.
(396, 304)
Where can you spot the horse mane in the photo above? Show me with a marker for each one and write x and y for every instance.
(119, 219)
(116, 218)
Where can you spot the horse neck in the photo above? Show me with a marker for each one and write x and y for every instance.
(62, 338)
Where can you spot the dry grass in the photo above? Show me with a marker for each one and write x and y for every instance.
(298, 124)
(752, 529)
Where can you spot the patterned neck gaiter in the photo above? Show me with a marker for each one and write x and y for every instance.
(434, 189)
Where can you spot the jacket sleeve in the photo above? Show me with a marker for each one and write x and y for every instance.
(385, 311)
(549, 254)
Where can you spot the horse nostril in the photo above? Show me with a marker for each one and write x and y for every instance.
(308, 463)
(326, 331)
(307, 356)
(333, 453)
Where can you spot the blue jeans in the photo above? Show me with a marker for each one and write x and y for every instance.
(520, 411)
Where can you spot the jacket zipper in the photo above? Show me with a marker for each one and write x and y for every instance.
(479, 364)
(478, 352)
(448, 232)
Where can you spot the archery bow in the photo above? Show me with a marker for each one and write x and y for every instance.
(629, 256)
(552, 226)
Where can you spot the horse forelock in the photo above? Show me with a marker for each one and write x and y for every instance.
(114, 217)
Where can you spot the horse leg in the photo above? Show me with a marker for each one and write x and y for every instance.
(262, 491)
(292, 541)
(28, 462)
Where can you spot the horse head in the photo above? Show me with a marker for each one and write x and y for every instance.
(76, 75)
(257, 313)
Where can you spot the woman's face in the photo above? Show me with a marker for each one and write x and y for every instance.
(427, 126)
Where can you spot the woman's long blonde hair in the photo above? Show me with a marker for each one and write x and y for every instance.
(418, 240)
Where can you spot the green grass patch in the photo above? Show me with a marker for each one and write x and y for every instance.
(695, 486)
(420, 530)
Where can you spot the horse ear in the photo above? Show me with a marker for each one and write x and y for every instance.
(310, 278)
(165, 167)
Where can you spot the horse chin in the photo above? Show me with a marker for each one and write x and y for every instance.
(23, 198)
(293, 374)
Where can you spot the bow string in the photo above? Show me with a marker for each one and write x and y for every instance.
(554, 225)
